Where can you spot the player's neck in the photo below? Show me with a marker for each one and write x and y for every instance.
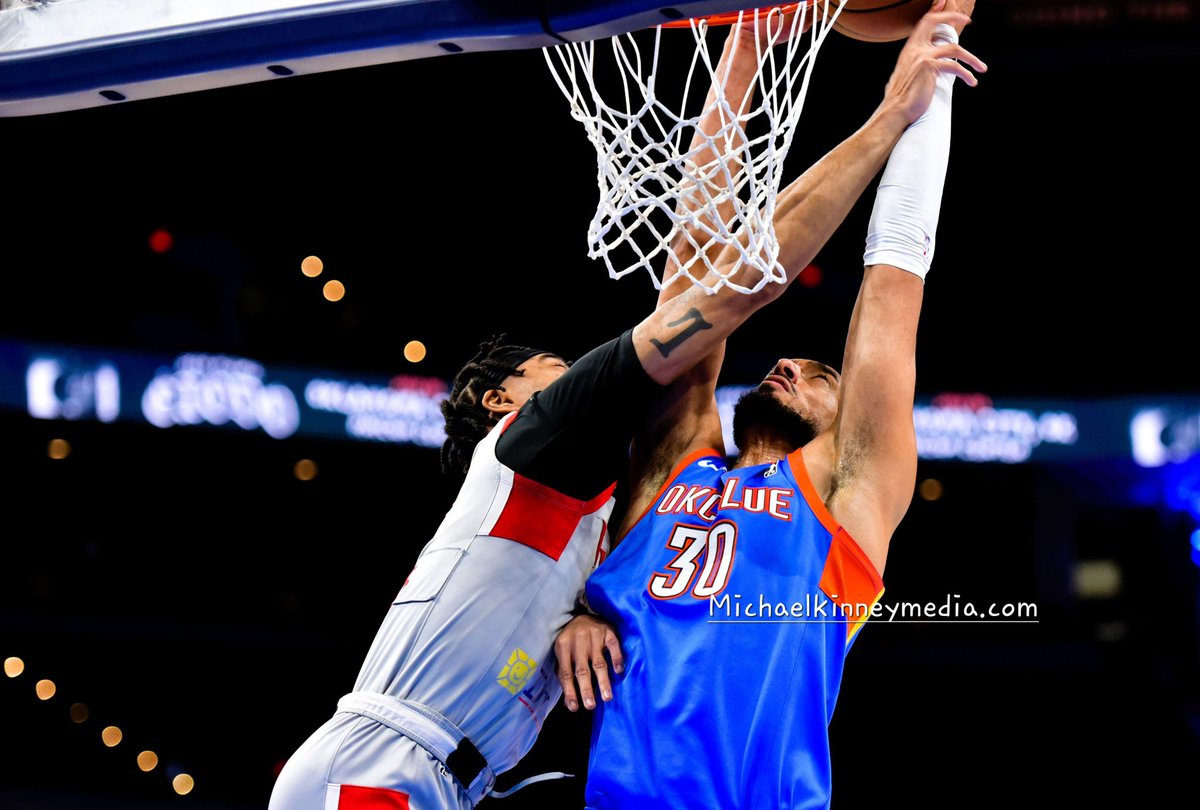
(761, 447)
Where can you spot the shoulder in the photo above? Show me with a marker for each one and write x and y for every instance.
(651, 487)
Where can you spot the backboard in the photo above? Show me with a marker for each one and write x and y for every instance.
(58, 55)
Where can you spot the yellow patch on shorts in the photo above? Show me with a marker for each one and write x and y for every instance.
(517, 671)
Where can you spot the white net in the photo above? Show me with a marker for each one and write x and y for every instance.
(693, 194)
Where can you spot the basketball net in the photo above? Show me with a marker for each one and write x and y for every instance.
(658, 206)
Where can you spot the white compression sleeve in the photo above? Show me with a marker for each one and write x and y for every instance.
(904, 220)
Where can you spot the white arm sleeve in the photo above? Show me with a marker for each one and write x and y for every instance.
(904, 220)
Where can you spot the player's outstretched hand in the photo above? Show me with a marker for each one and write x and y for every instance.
(924, 58)
(580, 650)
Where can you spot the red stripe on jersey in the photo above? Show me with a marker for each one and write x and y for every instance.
(354, 797)
(543, 518)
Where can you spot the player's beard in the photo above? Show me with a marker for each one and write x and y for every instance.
(758, 408)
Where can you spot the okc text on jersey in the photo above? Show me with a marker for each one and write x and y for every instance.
(702, 501)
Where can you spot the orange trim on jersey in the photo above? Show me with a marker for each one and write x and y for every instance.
(849, 578)
(850, 581)
(679, 467)
(800, 472)
(795, 460)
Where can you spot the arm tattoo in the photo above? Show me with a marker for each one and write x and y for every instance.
(698, 324)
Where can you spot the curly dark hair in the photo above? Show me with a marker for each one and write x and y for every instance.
(467, 421)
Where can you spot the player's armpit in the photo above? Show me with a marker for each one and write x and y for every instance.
(580, 650)
(875, 451)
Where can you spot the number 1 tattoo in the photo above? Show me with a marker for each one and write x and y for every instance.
(697, 324)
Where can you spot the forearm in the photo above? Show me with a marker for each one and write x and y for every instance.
(812, 207)
(591, 412)
(689, 326)
(712, 161)
(903, 227)
(735, 73)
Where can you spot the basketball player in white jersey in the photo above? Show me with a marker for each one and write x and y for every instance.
(462, 672)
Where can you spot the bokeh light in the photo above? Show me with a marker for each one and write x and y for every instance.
(58, 449)
(147, 761)
(414, 351)
(183, 784)
(161, 240)
(312, 266)
(13, 666)
(45, 689)
(931, 489)
(80, 712)
(305, 469)
(334, 290)
(111, 736)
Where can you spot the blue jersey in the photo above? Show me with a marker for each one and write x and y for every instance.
(736, 597)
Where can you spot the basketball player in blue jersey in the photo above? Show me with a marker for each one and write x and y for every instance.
(462, 671)
(737, 592)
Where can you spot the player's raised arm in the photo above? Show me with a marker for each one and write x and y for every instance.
(874, 455)
(689, 326)
(686, 415)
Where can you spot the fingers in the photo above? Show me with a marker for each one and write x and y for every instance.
(580, 653)
(566, 672)
(952, 55)
(950, 66)
(583, 671)
(960, 53)
(614, 651)
(950, 59)
(600, 667)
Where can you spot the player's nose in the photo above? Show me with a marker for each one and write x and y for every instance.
(787, 368)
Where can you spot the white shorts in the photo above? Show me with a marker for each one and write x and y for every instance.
(353, 763)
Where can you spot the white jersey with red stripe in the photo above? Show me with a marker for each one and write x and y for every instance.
(471, 633)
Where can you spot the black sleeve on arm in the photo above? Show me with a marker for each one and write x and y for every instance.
(574, 436)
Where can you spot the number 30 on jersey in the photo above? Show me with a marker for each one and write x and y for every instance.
(702, 564)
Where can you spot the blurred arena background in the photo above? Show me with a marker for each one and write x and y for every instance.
(216, 477)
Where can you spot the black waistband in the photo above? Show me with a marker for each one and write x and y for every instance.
(465, 762)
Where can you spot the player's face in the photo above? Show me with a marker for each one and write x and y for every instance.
(807, 387)
(536, 374)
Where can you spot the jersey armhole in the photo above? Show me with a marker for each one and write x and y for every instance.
(818, 507)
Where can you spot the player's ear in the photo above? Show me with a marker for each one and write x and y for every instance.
(497, 401)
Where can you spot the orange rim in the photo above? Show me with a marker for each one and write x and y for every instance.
(731, 17)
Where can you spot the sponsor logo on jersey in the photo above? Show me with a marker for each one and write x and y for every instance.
(517, 671)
